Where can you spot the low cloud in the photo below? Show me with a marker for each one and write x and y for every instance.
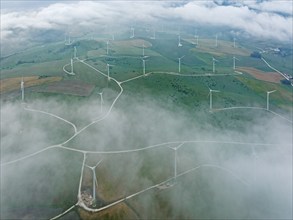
(269, 19)
(244, 181)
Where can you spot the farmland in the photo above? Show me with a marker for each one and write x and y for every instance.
(12, 84)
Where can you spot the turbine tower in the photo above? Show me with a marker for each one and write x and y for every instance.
(179, 63)
(22, 89)
(175, 159)
(71, 64)
(179, 41)
(143, 66)
(154, 35)
(69, 42)
(216, 41)
(108, 68)
(211, 97)
(143, 50)
(132, 32)
(94, 186)
(196, 37)
(75, 53)
(268, 98)
(107, 47)
(214, 64)
(234, 62)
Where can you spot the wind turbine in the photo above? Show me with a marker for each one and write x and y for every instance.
(179, 41)
(143, 50)
(95, 182)
(111, 33)
(75, 53)
(211, 97)
(22, 89)
(268, 98)
(132, 32)
(214, 64)
(108, 68)
(71, 64)
(143, 66)
(69, 40)
(154, 35)
(196, 37)
(175, 159)
(102, 101)
(234, 62)
(107, 47)
(179, 63)
(216, 41)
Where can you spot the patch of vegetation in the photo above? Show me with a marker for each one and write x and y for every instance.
(255, 54)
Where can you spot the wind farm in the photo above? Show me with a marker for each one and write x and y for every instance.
(149, 124)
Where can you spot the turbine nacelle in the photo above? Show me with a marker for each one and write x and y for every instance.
(211, 90)
(181, 57)
(215, 60)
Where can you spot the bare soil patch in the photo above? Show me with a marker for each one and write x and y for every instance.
(261, 75)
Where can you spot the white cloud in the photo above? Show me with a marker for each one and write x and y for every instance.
(265, 22)
(281, 6)
(260, 24)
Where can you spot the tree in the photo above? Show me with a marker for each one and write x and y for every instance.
(255, 54)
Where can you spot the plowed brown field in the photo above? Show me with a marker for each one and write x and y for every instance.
(261, 75)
